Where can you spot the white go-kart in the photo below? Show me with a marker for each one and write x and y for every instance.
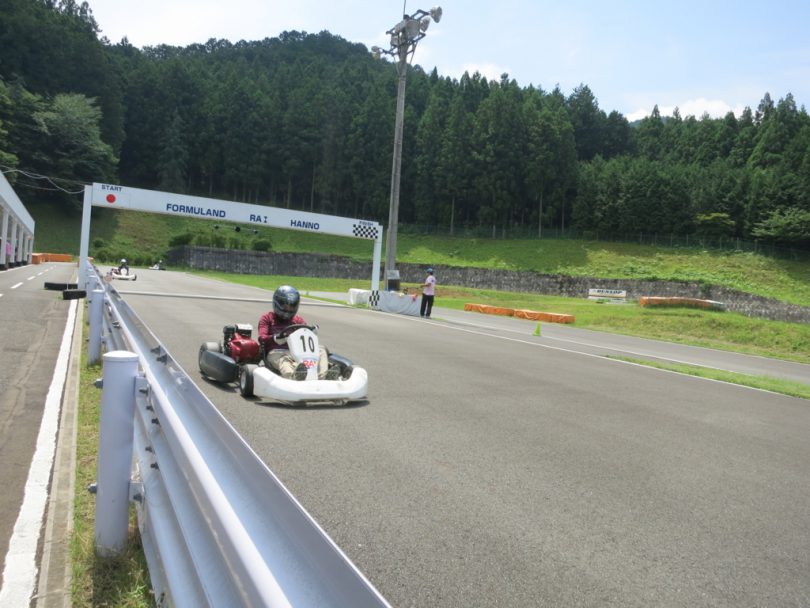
(240, 358)
(124, 274)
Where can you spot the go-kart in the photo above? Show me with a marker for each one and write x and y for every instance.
(240, 358)
(122, 273)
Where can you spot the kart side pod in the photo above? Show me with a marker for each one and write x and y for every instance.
(217, 365)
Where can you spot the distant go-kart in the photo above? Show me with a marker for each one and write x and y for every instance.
(240, 358)
(124, 274)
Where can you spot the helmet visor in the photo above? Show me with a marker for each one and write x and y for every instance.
(286, 308)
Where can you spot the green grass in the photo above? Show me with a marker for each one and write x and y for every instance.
(122, 581)
(767, 383)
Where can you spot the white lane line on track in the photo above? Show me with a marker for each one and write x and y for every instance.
(20, 571)
(31, 278)
(129, 292)
(618, 349)
(601, 357)
(268, 300)
(16, 286)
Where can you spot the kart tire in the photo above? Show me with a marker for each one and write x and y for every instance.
(246, 379)
(211, 346)
(74, 294)
(207, 347)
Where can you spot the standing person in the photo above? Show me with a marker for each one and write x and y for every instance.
(277, 355)
(428, 293)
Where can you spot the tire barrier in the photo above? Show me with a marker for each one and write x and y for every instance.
(60, 286)
(533, 315)
(685, 302)
(74, 294)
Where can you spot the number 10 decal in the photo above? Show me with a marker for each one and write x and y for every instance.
(307, 343)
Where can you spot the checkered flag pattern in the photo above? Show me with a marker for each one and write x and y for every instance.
(365, 232)
(374, 299)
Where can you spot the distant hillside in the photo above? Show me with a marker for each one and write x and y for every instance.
(58, 228)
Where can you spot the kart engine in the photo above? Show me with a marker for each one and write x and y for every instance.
(238, 344)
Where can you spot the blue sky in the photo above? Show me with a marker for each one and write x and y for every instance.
(711, 56)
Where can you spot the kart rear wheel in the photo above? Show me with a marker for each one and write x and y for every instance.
(246, 379)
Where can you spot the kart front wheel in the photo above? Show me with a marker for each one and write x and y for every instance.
(246, 379)
(211, 346)
(205, 347)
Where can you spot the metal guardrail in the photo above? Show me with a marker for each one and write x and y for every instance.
(218, 527)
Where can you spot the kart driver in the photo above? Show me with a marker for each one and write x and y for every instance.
(123, 267)
(285, 313)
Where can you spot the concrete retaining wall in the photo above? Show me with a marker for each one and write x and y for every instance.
(332, 266)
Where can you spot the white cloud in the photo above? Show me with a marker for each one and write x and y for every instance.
(715, 108)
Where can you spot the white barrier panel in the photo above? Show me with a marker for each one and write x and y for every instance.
(394, 301)
(359, 296)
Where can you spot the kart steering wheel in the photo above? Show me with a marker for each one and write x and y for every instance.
(284, 333)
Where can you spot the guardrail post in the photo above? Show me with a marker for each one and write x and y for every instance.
(96, 311)
(115, 451)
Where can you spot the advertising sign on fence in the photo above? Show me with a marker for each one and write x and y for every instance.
(618, 295)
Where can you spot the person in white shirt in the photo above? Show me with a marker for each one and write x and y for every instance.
(428, 293)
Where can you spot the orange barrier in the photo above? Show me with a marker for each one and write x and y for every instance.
(674, 301)
(551, 317)
(474, 307)
(490, 310)
(40, 258)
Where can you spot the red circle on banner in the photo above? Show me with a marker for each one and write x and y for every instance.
(110, 198)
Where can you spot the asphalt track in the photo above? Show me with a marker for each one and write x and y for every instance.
(32, 321)
(492, 467)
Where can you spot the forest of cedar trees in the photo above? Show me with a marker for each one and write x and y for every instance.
(306, 121)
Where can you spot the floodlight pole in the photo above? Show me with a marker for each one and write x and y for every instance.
(404, 37)
(396, 171)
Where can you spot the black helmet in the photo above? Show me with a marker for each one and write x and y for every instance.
(285, 302)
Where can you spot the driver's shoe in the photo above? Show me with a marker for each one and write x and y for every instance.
(300, 372)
